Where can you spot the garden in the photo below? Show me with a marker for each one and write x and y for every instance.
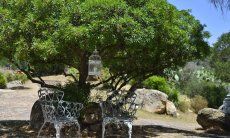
(139, 68)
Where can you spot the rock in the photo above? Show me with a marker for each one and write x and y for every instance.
(13, 85)
(221, 107)
(171, 109)
(92, 114)
(36, 116)
(212, 118)
(152, 100)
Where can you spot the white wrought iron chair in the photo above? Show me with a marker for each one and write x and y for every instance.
(57, 111)
(119, 111)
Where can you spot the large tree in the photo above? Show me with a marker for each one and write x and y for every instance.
(135, 38)
(221, 57)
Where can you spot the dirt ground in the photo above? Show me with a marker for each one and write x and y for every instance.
(15, 107)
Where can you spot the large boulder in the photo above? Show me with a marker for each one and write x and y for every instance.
(152, 100)
(92, 114)
(36, 116)
(212, 118)
(171, 109)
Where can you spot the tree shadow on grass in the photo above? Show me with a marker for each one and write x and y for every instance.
(21, 128)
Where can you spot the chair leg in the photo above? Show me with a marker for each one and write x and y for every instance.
(129, 124)
(41, 129)
(103, 129)
(58, 129)
(79, 128)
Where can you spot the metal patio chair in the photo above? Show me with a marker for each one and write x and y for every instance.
(119, 111)
(57, 111)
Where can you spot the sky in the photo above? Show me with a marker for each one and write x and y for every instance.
(217, 22)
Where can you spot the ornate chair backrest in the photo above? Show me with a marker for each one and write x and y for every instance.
(48, 110)
(49, 94)
(49, 99)
(69, 109)
(118, 106)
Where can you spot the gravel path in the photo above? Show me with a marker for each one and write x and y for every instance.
(17, 104)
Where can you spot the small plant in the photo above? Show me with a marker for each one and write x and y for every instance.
(22, 77)
(2, 81)
(198, 103)
(9, 76)
(12, 77)
(183, 103)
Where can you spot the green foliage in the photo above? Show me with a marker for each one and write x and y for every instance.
(157, 83)
(214, 94)
(76, 94)
(2, 81)
(160, 83)
(196, 80)
(73, 71)
(3, 62)
(126, 33)
(221, 57)
(15, 76)
(173, 96)
(198, 103)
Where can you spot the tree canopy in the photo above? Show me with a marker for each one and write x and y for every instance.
(135, 38)
(221, 57)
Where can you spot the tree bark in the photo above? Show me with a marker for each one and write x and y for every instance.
(83, 69)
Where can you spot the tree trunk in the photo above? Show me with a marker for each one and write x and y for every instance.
(83, 69)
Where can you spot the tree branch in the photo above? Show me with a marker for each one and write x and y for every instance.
(71, 75)
(40, 81)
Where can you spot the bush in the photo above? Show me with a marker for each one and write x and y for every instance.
(198, 103)
(22, 77)
(75, 93)
(9, 77)
(12, 77)
(214, 94)
(183, 103)
(2, 81)
(160, 83)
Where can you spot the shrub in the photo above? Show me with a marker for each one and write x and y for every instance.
(198, 103)
(22, 77)
(160, 83)
(9, 76)
(183, 103)
(76, 94)
(2, 81)
(214, 94)
(12, 77)
(173, 96)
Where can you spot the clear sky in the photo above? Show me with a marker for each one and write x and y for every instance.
(217, 22)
